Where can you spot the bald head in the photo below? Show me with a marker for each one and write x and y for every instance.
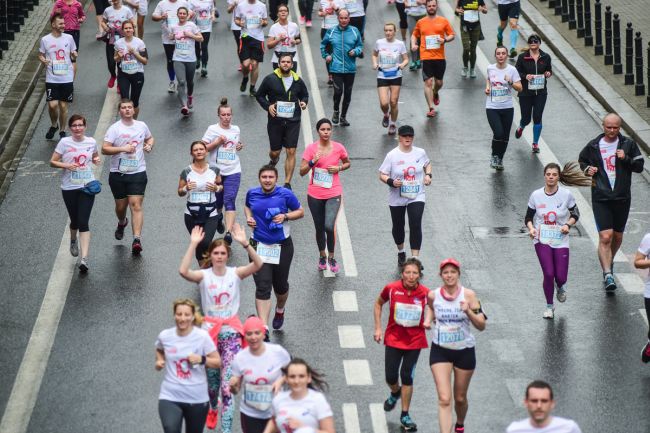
(612, 117)
(611, 126)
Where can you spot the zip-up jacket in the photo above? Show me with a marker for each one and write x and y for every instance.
(600, 187)
(342, 41)
(272, 90)
(526, 64)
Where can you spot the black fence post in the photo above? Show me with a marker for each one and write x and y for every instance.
(639, 88)
(572, 14)
(629, 55)
(589, 39)
(618, 66)
(581, 18)
(598, 28)
(565, 11)
(609, 58)
(551, 4)
(558, 7)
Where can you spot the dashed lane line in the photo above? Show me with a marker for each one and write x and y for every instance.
(351, 337)
(345, 300)
(357, 372)
(378, 418)
(351, 418)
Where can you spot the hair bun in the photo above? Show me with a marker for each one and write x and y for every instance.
(224, 101)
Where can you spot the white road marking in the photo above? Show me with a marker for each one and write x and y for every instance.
(631, 282)
(351, 418)
(378, 418)
(357, 372)
(643, 315)
(351, 337)
(507, 350)
(517, 390)
(26, 387)
(345, 300)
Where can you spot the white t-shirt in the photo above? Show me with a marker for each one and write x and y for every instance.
(200, 194)
(308, 410)
(290, 31)
(500, 91)
(257, 376)
(233, 25)
(225, 156)
(184, 382)
(389, 57)
(203, 14)
(129, 63)
(644, 249)
(184, 50)
(415, 9)
(58, 51)
(355, 7)
(608, 154)
(331, 19)
(114, 19)
(81, 152)
(169, 7)
(252, 14)
(557, 425)
(551, 213)
(120, 135)
(409, 168)
(219, 295)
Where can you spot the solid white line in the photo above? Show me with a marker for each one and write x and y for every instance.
(631, 282)
(357, 372)
(378, 418)
(351, 418)
(32, 368)
(345, 300)
(351, 337)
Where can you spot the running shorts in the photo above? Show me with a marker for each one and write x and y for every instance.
(59, 92)
(383, 82)
(611, 214)
(251, 48)
(465, 359)
(433, 69)
(509, 11)
(283, 133)
(125, 185)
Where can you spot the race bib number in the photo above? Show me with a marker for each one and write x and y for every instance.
(285, 109)
(81, 176)
(59, 67)
(451, 337)
(352, 6)
(269, 253)
(204, 21)
(432, 42)
(387, 60)
(129, 66)
(200, 196)
(551, 235)
(221, 311)
(499, 93)
(407, 315)
(330, 21)
(253, 22)
(322, 178)
(258, 396)
(226, 155)
(183, 47)
(128, 164)
(470, 16)
(537, 83)
(409, 189)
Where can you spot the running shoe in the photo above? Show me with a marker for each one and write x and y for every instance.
(322, 263)
(287, 186)
(535, 148)
(431, 112)
(549, 313)
(244, 83)
(172, 87)
(609, 283)
(83, 265)
(330, 81)
(407, 423)
(645, 354)
(343, 121)
(220, 227)
(308, 24)
(413, 66)
(185, 111)
(493, 161)
(62, 134)
(472, 73)
(463, 72)
(119, 231)
(392, 129)
(227, 238)
(499, 40)
(513, 53)
(401, 259)
(335, 118)
(499, 165)
(211, 420)
(334, 267)
(136, 247)
(50, 132)
(302, 20)
(518, 132)
(204, 72)
(390, 402)
(190, 102)
(561, 294)
(384, 121)
(251, 91)
(459, 428)
(436, 99)
(278, 320)
(74, 248)
(111, 82)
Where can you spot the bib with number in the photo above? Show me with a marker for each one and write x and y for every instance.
(351, 6)
(551, 235)
(219, 310)
(129, 66)
(204, 21)
(59, 67)
(407, 315)
(285, 109)
(128, 164)
(183, 47)
(322, 178)
(387, 60)
(269, 253)
(432, 42)
(409, 189)
(258, 396)
(331, 21)
(226, 155)
(81, 176)
(537, 83)
(253, 22)
(499, 93)
(200, 196)
(451, 337)
(470, 16)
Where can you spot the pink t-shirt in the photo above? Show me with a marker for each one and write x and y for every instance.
(324, 185)
(71, 14)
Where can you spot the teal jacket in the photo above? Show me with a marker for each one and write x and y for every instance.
(342, 41)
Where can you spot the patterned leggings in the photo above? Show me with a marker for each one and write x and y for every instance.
(219, 379)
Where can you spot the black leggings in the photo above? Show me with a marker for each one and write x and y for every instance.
(130, 86)
(169, 54)
(500, 121)
(343, 87)
(324, 213)
(306, 7)
(275, 277)
(110, 60)
(532, 106)
(201, 49)
(398, 214)
(79, 205)
(647, 312)
(209, 228)
(408, 358)
(250, 424)
(401, 11)
(358, 22)
(172, 414)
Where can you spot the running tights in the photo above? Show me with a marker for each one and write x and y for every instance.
(359, 23)
(209, 228)
(401, 12)
(408, 359)
(532, 106)
(324, 213)
(110, 60)
(500, 121)
(555, 267)
(470, 41)
(79, 205)
(251, 424)
(169, 54)
(228, 345)
(130, 86)
(201, 49)
(306, 7)
(172, 414)
(398, 216)
(343, 87)
(185, 77)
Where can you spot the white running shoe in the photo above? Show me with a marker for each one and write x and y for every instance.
(463, 72)
(561, 294)
(549, 313)
(172, 87)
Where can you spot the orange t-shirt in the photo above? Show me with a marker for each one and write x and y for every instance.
(426, 30)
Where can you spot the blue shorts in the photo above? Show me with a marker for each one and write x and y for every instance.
(227, 196)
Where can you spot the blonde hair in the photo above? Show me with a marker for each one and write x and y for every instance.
(198, 317)
(570, 175)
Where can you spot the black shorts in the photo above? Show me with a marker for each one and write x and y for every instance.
(611, 214)
(283, 133)
(465, 359)
(100, 6)
(509, 11)
(251, 424)
(383, 82)
(274, 277)
(59, 92)
(76, 35)
(125, 185)
(433, 69)
(251, 48)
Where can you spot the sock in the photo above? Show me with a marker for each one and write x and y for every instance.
(606, 273)
(136, 237)
(404, 413)
(391, 123)
(499, 33)
(279, 310)
(549, 306)
(401, 250)
(514, 34)
(537, 131)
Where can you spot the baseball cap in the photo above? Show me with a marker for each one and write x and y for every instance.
(406, 130)
(450, 261)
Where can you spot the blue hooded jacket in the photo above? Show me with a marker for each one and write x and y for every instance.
(342, 41)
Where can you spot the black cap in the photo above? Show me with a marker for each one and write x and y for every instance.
(406, 130)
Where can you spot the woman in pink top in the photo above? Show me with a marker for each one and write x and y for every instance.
(325, 159)
(73, 15)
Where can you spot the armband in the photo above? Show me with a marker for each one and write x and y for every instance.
(479, 310)
(311, 163)
(203, 359)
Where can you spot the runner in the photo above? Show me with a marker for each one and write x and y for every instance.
(131, 56)
(401, 13)
(219, 286)
(251, 16)
(346, 45)
(306, 8)
(283, 94)
(268, 210)
(535, 66)
(357, 16)
(328, 10)
(406, 170)
(303, 408)
(185, 57)
(284, 37)
(539, 403)
(258, 370)
(552, 211)
(452, 349)
(405, 335)
(73, 15)
(325, 159)
(415, 11)
(56, 52)
(386, 58)
(100, 6)
(470, 32)
(501, 79)
(610, 159)
(509, 11)
(184, 351)
(114, 16)
(430, 35)
(165, 12)
(75, 155)
(141, 8)
(126, 141)
(204, 16)
(200, 182)
(224, 144)
(236, 30)
(642, 261)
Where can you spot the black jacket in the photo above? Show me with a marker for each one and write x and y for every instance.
(527, 65)
(272, 90)
(633, 162)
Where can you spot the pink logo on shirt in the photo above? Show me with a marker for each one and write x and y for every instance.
(550, 218)
(183, 369)
(610, 163)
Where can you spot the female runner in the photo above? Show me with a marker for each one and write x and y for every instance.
(131, 55)
(184, 57)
